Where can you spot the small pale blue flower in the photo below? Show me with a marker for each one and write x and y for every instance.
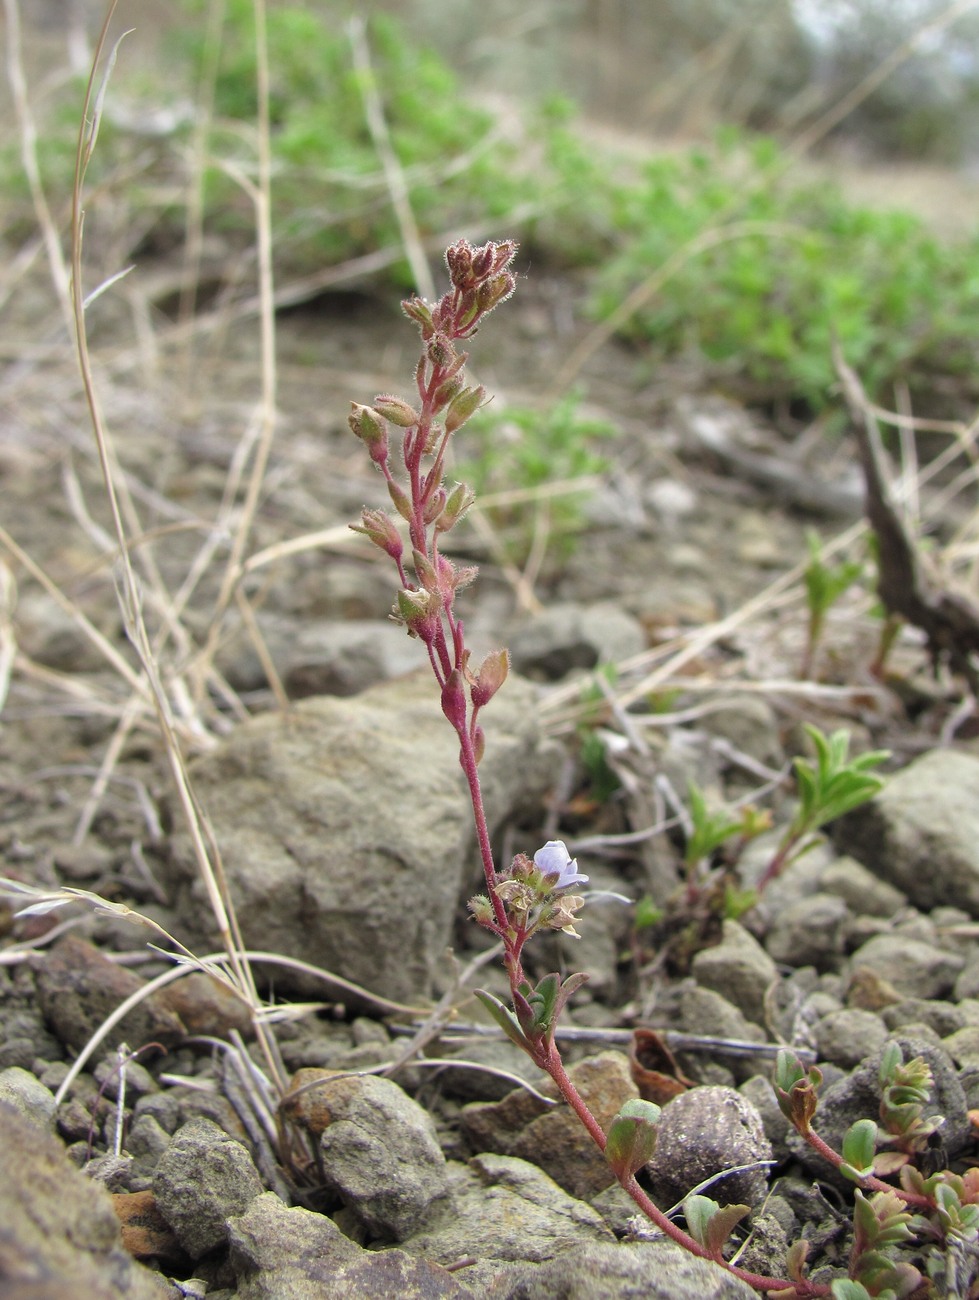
(557, 865)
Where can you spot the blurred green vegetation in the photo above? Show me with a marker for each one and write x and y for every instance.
(758, 271)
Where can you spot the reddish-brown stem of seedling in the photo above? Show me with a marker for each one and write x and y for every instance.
(872, 1183)
(480, 280)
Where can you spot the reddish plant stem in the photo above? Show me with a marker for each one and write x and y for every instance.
(467, 757)
(554, 1066)
(871, 1183)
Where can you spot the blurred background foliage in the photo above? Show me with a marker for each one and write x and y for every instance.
(610, 136)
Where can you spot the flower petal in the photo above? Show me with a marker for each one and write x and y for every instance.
(555, 860)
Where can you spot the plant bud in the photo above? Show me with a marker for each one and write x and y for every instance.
(454, 700)
(401, 499)
(479, 744)
(481, 909)
(425, 571)
(464, 404)
(459, 260)
(491, 676)
(396, 410)
(440, 350)
(459, 500)
(462, 577)
(435, 506)
(371, 430)
(493, 292)
(416, 609)
(420, 312)
(445, 392)
(482, 260)
(382, 531)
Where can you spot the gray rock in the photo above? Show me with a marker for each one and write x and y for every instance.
(345, 828)
(967, 982)
(963, 1046)
(921, 833)
(563, 637)
(654, 1270)
(203, 1178)
(862, 891)
(502, 1208)
(911, 966)
(551, 1136)
(739, 969)
(380, 1154)
(20, 1089)
(809, 932)
(345, 658)
(943, 1017)
(59, 1230)
(704, 1011)
(750, 726)
(759, 1091)
(846, 1037)
(701, 1133)
(279, 1253)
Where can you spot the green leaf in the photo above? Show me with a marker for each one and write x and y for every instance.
(631, 1138)
(504, 1017)
(711, 1224)
(859, 1148)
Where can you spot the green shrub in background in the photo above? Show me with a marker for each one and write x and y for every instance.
(763, 307)
(525, 448)
(758, 310)
(330, 199)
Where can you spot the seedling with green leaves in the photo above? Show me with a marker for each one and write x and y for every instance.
(825, 583)
(834, 785)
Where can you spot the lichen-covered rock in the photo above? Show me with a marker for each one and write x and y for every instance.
(381, 1155)
(921, 832)
(346, 830)
(57, 1228)
(203, 1178)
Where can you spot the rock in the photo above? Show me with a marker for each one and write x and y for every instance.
(145, 1232)
(739, 969)
(921, 833)
(563, 637)
(25, 1093)
(912, 967)
(943, 1017)
(380, 1154)
(59, 1231)
(653, 1270)
(205, 1005)
(279, 1253)
(863, 892)
(759, 1091)
(345, 658)
(78, 987)
(963, 1046)
(704, 1011)
(501, 1208)
(809, 932)
(750, 726)
(346, 832)
(846, 1037)
(203, 1178)
(553, 1137)
(699, 1134)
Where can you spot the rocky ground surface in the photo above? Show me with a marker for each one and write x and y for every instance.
(342, 825)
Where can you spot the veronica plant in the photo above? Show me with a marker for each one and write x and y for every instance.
(533, 893)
